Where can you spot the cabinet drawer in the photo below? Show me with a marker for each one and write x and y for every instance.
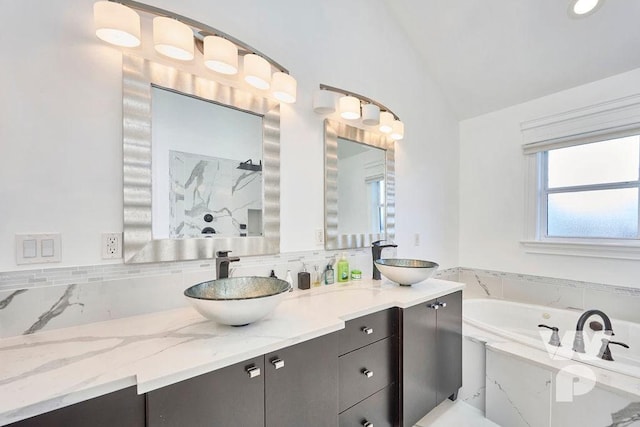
(367, 329)
(365, 371)
(379, 410)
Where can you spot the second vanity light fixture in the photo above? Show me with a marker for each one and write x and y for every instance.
(175, 36)
(352, 106)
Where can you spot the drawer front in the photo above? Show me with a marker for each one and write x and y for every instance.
(367, 329)
(365, 371)
(378, 410)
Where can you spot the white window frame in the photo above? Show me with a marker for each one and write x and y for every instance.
(608, 120)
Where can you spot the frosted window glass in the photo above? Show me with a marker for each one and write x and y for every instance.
(601, 213)
(615, 160)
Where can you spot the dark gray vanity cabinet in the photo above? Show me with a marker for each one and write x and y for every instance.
(301, 383)
(431, 355)
(231, 396)
(120, 408)
(368, 367)
(291, 387)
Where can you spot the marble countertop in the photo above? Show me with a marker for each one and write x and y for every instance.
(53, 369)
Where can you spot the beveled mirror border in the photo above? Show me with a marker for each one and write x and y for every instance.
(139, 246)
(332, 131)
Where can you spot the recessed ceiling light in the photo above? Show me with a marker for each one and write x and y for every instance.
(580, 8)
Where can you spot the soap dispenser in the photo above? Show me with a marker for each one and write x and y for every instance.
(343, 269)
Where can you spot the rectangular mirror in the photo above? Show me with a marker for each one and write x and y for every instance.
(201, 166)
(359, 187)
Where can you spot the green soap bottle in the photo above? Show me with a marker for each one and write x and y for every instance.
(343, 269)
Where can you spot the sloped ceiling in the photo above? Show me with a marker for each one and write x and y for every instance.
(491, 54)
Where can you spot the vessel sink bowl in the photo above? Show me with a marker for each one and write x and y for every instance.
(406, 272)
(237, 301)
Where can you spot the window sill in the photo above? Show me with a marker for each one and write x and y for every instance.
(591, 249)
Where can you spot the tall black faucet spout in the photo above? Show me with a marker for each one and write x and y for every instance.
(578, 341)
(376, 253)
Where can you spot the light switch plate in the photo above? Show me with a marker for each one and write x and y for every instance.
(38, 248)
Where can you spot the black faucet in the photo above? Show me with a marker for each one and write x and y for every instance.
(578, 341)
(376, 252)
(222, 264)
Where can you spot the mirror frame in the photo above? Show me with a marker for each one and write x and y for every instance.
(138, 76)
(332, 131)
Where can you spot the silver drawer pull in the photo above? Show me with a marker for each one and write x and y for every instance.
(366, 423)
(434, 306)
(278, 363)
(253, 372)
(367, 373)
(443, 304)
(367, 331)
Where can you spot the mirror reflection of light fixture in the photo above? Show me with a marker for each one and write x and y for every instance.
(386, 121)
(220, 55)
(284, 87)
(370, 114)
(172, 38)
(257, 71)
(349, 107)
(397, 130)
(116, 24)
(324, 102)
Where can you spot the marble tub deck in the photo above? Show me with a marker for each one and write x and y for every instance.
(48, 370)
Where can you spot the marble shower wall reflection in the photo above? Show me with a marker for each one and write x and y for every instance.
(617, 301)
(210, 195)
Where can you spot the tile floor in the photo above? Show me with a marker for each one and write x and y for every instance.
(455, 414)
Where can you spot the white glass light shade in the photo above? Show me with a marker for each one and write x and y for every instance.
(397, 131)
(257, 71)
(324, 102)
(349, 107)
(386, 122)
(116, 24)
(220, 55)
(370, 114)
(172, 38)
(284, 87)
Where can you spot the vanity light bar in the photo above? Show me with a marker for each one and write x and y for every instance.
(284, 88)
(353, 106)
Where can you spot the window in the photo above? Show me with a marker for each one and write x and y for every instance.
(590, 191)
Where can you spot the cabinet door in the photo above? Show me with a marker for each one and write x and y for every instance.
(449, 345)
(120, 408)
(301, 384)
(419, 362)
(228, 397)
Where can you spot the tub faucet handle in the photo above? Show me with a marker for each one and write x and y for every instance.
(555, 337)
(605, 352)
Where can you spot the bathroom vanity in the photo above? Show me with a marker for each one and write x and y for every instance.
(347, 355)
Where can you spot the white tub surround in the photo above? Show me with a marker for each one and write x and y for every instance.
(48, 370)
(527, 382)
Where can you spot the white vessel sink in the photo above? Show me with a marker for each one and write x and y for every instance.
(237, 301)
(406, 272)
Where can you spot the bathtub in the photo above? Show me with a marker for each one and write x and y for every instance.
(499, 320)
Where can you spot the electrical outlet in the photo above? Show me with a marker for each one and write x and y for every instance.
(416, 239)
(319, 234)
(111, 245)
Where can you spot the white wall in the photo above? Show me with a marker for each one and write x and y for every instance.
(492, 184)
(61, 119)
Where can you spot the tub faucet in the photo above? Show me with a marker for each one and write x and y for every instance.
(376, 252)
(555, 337)
(578, 341)
(222, 264)
(605, 352)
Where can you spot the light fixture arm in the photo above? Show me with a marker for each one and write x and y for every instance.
(362, 98)
(205, 30)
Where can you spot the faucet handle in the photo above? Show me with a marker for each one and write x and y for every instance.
(605, 352)
(377, 242)
(223, 253)
(555, 337)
